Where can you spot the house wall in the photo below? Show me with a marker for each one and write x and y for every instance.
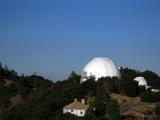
(78, 112)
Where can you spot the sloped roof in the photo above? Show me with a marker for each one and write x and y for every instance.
(76, 105)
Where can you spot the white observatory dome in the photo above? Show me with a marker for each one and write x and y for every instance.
(141, 81)
(100, 67)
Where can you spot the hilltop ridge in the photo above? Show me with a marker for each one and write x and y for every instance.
(36, 98)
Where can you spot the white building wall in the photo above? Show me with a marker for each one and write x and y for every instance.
(155, 90)
(78, 112)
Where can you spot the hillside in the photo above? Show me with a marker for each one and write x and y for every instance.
(135, 107)
(36, 98)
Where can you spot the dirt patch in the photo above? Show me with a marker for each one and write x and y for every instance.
(8, 82)
(133, 106)
(15, 100)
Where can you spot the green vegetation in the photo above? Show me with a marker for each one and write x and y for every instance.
(157, 111)
(149, 96)
(113, 111)
(42, 99)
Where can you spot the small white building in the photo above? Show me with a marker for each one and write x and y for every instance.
(142, 82)
(155, 90)
(76, 108)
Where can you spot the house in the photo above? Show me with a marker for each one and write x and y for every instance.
(155, 90)
(76, 108)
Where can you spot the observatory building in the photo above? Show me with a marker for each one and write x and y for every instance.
(100, 67)
(141, 81)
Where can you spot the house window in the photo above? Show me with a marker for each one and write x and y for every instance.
(81, 112)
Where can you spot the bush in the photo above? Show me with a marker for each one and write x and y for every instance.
(130, 87)
(66, 116)
(113, 111)
(157, 111)
(149, 96)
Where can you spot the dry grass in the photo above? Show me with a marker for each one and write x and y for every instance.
(123, 98)
(15, 100)
(8, 82)
(133, 106)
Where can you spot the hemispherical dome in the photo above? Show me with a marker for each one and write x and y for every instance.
(141, 81)
(100, 67)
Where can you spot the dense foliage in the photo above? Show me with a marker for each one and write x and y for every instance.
(113, 111)
(130, 87)
(41, 99)
(157, 111)
(148, 96)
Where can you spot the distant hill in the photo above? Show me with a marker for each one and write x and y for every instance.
(36, 98)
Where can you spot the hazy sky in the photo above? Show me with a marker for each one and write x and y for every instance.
(54, 37)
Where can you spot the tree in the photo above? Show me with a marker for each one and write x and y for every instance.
(5, 67)
(127, 73)
(100, 101)
(109, 84)
(74, 77)
(90, 114)
(152, 78)
(130, 87)
(149, 96)
(157, 111)
(112, 111)
(88, 88)
(93, 77)
(1, 66)
(66, 116)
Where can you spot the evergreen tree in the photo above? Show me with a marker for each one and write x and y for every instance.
(1, 66)
(130, 87)
(112, 111)
(157, 111)
(100, 101)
